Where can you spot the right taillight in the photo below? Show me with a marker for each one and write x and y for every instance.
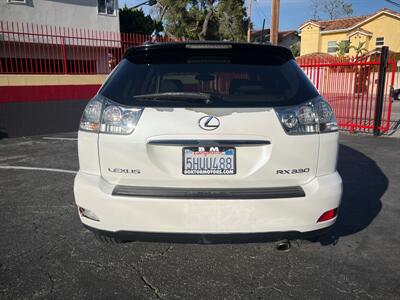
(105, 116)
(315, 116)
(326, 117)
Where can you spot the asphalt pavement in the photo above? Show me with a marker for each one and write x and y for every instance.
(45, 252)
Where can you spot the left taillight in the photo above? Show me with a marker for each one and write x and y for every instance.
(102, 115)
(90, 120)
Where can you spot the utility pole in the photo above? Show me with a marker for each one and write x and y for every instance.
(274, 22)
(249, 26)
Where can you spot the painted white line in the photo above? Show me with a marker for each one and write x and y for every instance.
(59, 139)
(37, 169)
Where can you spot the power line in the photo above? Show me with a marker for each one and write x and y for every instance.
(394, 3)
(260, 10)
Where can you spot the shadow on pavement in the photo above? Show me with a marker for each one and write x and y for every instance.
(364, 183)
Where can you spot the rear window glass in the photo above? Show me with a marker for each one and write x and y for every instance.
(227, 81)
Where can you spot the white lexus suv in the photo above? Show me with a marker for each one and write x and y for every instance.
(207, 140)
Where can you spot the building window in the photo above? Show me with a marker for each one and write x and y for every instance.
(332, 47)
(106, 7)
(380, 41)
(17, 1)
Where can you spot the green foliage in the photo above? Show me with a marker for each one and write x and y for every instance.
(359, 49)
(295, 48)
(135, 21)
(232, 20)
(204, 19)
(342, 47)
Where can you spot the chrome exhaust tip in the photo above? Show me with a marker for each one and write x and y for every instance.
(283, 245)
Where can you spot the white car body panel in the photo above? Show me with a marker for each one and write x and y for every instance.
(207, 216)
(161, 166)
(281, 147)
(94, 185)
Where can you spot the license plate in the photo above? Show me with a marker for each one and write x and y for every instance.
(209, 161)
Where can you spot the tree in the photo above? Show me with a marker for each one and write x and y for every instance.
(332, 8)
(359, 49)
(342, 47)
(295, 48)
(315, 6)
(232, 20)
(189, 19)
(135, 21)
(203, 19)
(209, 9)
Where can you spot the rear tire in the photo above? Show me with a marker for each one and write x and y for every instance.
(107, 239)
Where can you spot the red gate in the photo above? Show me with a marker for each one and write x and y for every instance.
(351, 87)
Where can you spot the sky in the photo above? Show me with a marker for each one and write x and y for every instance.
(293, 12)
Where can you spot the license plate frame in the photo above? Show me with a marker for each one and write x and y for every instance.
(206, 149)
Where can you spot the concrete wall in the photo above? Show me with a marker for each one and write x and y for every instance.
(42, 117)
(66, 13)
(40, 104)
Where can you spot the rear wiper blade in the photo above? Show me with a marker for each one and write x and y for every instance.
(176, 95)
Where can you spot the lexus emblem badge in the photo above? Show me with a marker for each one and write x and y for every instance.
(209, 123)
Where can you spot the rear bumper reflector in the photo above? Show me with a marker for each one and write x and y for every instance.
(209, 142)
(209, 193)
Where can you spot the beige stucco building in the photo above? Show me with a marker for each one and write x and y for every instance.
(376, 30)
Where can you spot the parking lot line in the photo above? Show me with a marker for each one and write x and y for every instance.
(38, 169)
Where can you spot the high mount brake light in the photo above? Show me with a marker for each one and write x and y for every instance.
(315, 116)
(208, 46)
(105, 116)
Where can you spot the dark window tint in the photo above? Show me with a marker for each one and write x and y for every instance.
(228, 84)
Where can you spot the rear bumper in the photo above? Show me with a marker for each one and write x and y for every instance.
(285, 217)
(209, 193)
(207, 238)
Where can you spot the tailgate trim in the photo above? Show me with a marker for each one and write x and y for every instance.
(209, 193)
(182, 142)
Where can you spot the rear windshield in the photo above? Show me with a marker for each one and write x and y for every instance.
(245, 80)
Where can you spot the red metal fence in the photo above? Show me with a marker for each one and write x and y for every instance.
(348, 84)
(351, 87)
(32, 49)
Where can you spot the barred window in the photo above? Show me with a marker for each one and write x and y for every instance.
(106, 7)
